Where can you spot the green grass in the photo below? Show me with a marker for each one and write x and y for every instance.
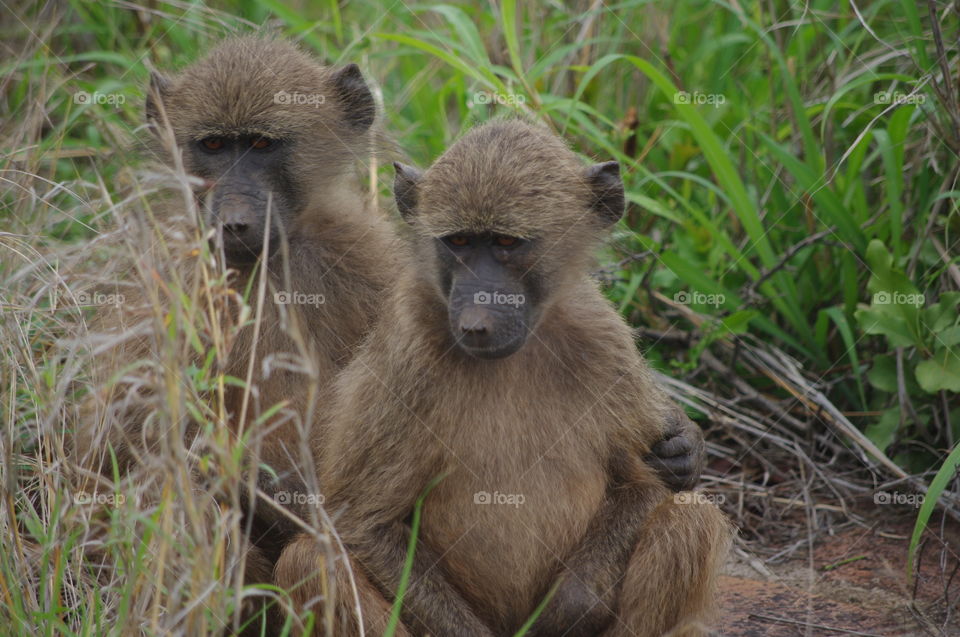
(792, 193)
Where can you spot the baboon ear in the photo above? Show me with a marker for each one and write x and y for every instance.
(405, 189)
(158, 89)
(607, 187)
(358, 105)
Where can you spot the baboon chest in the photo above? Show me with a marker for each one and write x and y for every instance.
(523, 484)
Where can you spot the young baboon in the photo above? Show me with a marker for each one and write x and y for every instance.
(275, 139)
(500, 377)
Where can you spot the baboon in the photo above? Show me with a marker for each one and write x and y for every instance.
(504, 389)
(277, 137)
(274, 140)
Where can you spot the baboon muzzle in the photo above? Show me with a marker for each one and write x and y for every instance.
(240, 217)
(482, 324)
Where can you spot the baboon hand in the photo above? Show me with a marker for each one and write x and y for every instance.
(679, 457)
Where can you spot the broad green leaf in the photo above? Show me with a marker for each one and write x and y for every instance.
(883, 374)
(940, 372)
(882, 432)
(943, 313)
(874, 321)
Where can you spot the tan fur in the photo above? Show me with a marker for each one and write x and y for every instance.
(334, 247)
(562, 422)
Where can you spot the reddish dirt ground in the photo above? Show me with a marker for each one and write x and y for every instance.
(856, 586)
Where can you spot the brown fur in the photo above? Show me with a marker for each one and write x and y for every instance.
(562, 422)
(334, 246)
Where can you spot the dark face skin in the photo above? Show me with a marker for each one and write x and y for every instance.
(492, 292)
(246, 174)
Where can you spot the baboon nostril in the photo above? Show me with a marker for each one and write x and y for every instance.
(235, 228)
(473, 328)
(474, 320)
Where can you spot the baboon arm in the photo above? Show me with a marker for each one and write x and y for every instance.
(585, 601)
(430, 604)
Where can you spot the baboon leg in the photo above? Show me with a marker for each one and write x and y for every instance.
(669, 587)
(300, 572)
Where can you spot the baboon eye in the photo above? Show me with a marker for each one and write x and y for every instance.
(261, 143)
(458, 240)
(507, 242)
(212, 143)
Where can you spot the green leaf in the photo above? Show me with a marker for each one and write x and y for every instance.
(883, 374)
(874, 321)
(467, 34)
(940, 372)
(846, 333)
(948, 337)
(508, 16)
(738, 322)
(481, 74)
(937, 486)
(943, 313)
(882, 432)
(812, 182)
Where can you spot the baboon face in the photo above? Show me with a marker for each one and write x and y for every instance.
(493, 291)
(507, 216)
(270, 131)
(251, 189)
